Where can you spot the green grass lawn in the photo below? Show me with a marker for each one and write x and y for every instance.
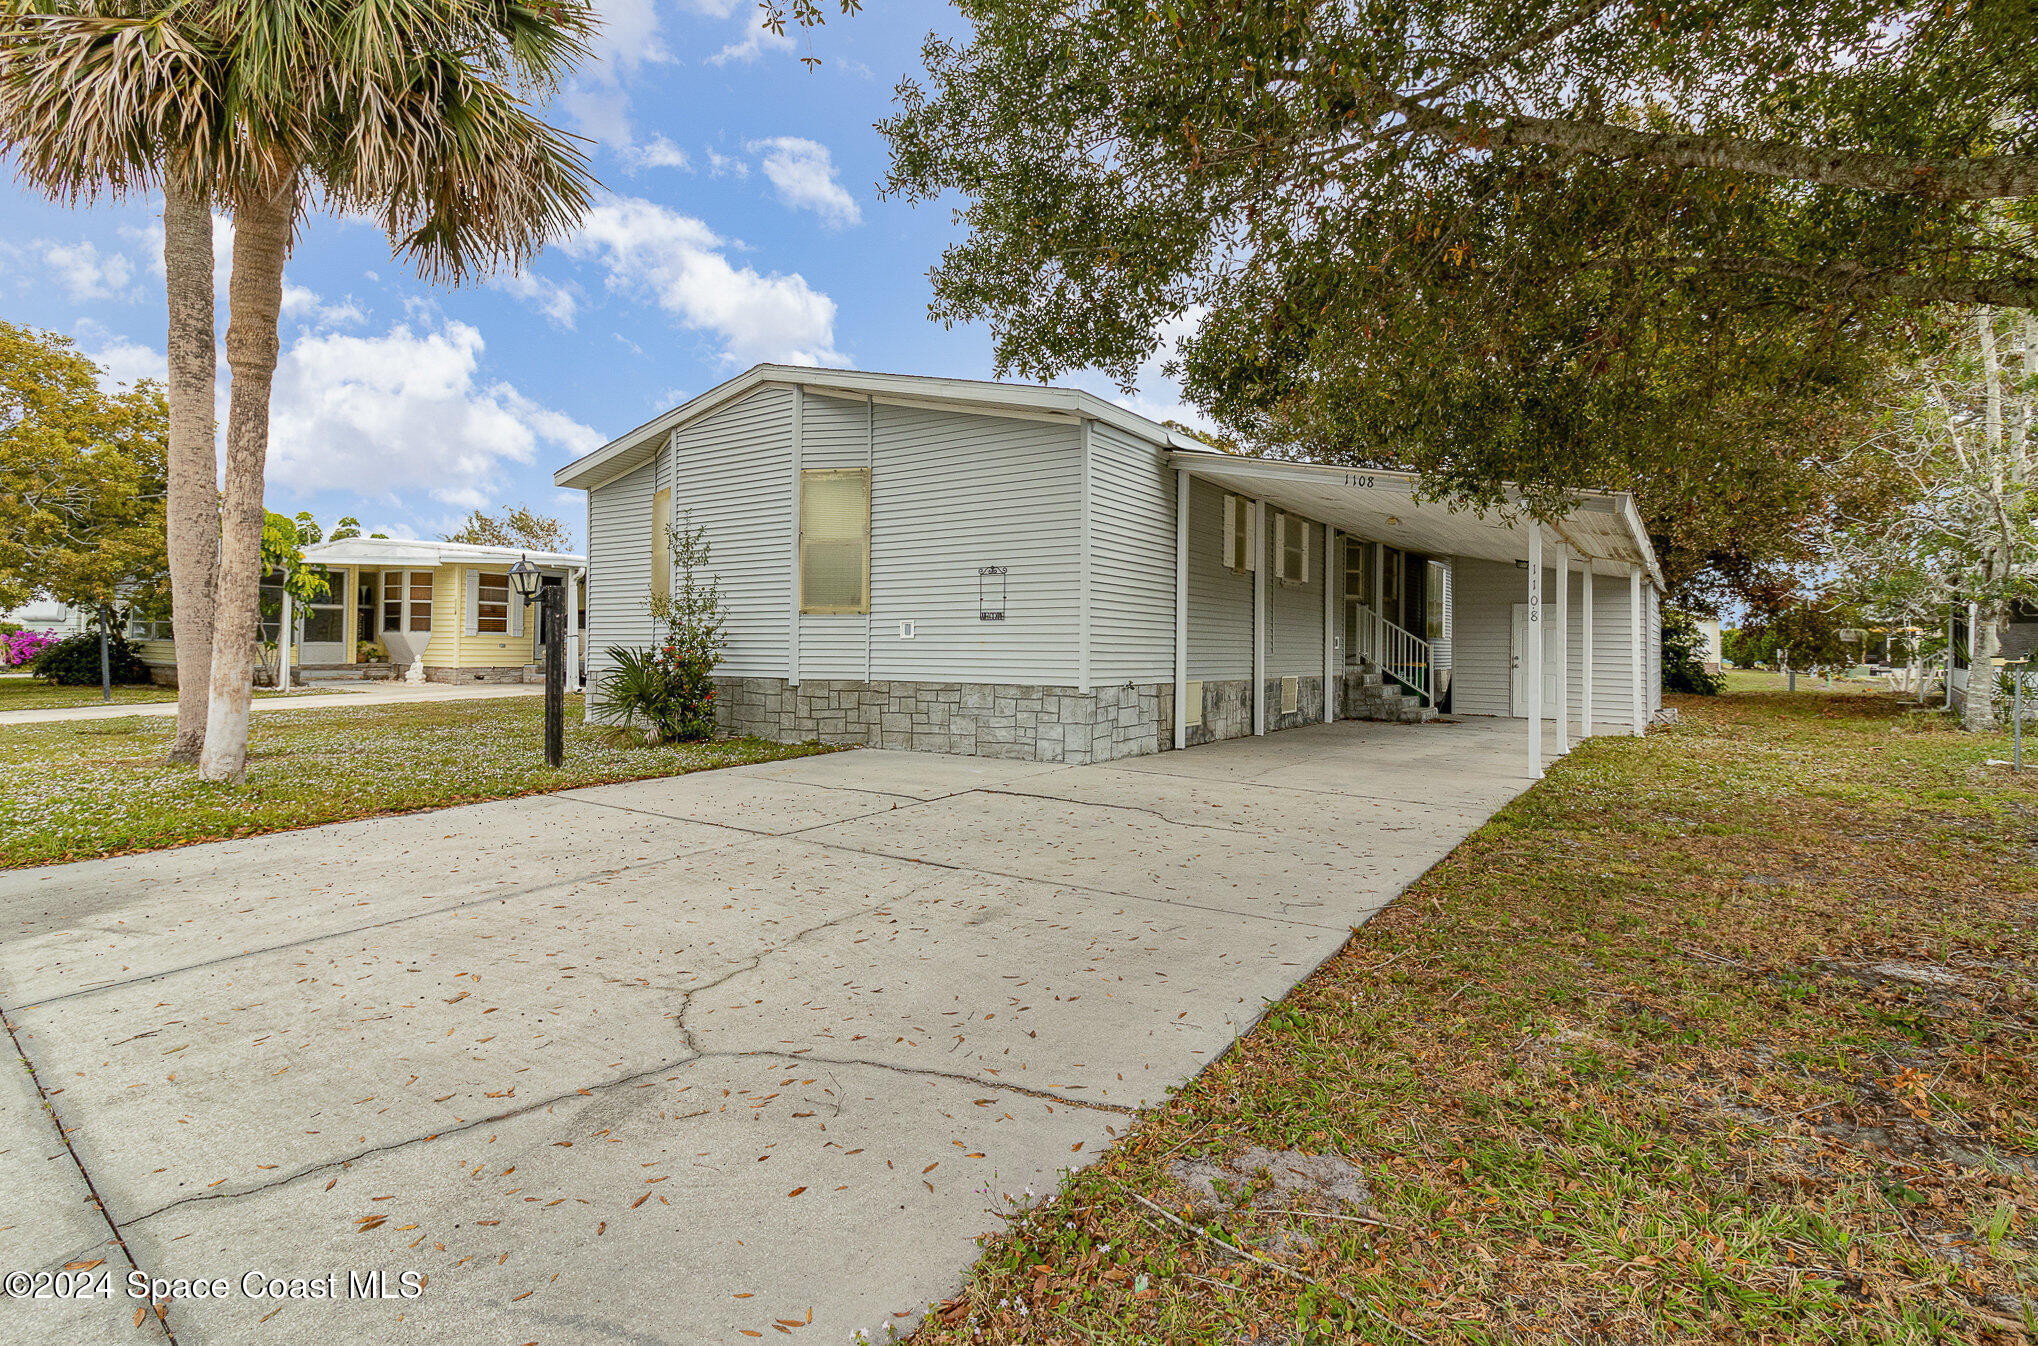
(18, 692)
(1721, 1034)
(74, 789)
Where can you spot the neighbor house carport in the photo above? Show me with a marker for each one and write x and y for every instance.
(1600, 538)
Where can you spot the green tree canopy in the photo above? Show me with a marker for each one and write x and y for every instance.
(515, 526)
(1556, 242)
(81, 478)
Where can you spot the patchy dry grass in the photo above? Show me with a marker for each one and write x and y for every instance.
(1723, 1034)
(74, 789)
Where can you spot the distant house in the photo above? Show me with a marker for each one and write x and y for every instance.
(444, 607)
(1033, 572)
(44, 615)
(1711, 654)
(2017, 640)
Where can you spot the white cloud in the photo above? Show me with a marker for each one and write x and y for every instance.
(559, 303)
(803, 173)
(680, 261)
(726, 165)
(756, 41)
(303, 305)
(85, 272)
(629, 35)
(658, 152)
(120, 360)
(405, 414)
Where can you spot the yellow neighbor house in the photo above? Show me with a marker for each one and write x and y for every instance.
(404, 608)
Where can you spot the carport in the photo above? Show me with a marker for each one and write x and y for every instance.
(1553, 623)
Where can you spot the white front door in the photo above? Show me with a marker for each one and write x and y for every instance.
(1518, 696)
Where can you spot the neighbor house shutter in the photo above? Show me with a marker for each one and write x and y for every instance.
(516, 607)
(1231, 530)
(474, 602)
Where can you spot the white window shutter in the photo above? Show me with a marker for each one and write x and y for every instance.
(473, 602)
(1231, 548)
(1249, 529)
(1302, 529)
(516, 607)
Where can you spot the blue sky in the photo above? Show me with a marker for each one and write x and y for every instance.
(740, 222)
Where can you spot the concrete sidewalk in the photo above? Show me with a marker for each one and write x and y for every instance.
(671, 1061)
(329, 694)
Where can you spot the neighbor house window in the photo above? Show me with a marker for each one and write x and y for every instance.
(1436, 624)
(835, 541)
(492, 603)
(145, 628)
(661, 544)
(1291, 548)
(1240, 549)
(420, 600)
(407, 587)
(392, 600)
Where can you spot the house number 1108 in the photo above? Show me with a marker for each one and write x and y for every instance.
(1357, 479)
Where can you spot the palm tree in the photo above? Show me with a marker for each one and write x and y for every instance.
(409, 110)
(160, 124)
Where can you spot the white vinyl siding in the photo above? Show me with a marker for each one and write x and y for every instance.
(1482, 634)
(951, 493)
(1132, 560)
(834, 433)
(1220, 597)
(731, 474)
(618, 566)
(1294, 609)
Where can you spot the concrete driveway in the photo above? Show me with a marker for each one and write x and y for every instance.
(688, 1060)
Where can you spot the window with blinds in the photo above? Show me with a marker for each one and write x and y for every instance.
(420, 600)
(661, 544)
(392, 600)
(835, 541)
(491, 609)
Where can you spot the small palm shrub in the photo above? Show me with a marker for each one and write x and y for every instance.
(74, 661)
(669, 696)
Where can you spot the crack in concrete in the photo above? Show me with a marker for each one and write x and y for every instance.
(952, 1076)
(347, 1161)
(84, 1175)
(1232, 828)
(529, 890)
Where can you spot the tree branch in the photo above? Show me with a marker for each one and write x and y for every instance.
(1986, 178)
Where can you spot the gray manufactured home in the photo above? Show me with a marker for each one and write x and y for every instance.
(1021, 571)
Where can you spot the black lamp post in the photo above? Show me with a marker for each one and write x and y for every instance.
(550, 598)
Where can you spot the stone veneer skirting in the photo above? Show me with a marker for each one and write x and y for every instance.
(509, 673)
(1012, 720)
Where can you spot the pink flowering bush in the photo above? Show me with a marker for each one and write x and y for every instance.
(23, 646)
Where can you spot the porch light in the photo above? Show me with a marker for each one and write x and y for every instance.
(524, 578)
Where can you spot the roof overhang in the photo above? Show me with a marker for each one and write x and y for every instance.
(628, 452)
(404, 551)
(1602, 528)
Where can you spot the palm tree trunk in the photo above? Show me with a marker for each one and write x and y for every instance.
(262, 228)
(193, 511)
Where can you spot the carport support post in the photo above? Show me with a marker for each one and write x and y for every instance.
(1636, 659)
(1563, 648)
(1181, 607)
(1585, 645)
(1534, 653)
(1329, 627)
(1259, 544)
